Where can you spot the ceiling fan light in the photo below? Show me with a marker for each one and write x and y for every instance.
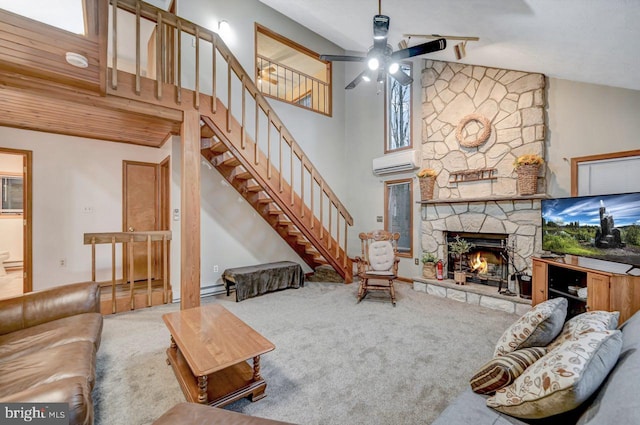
(373, 63)
(366, 78)
(393, 67)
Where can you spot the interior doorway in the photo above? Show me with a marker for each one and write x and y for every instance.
(145, 208)
(15, 222)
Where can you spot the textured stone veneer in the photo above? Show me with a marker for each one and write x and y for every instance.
(513, 102)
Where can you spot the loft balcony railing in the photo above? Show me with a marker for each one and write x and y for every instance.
(282, 82)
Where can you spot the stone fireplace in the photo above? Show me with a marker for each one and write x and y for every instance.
(476, 121)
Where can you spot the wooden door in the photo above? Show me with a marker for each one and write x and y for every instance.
(539, 291)
(141, 212)
(597, 292)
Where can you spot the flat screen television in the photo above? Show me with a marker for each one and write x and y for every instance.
(606, 227)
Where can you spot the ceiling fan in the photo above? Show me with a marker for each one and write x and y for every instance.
(268, 74)
(381, 59)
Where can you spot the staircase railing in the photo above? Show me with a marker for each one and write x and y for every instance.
(217, 79)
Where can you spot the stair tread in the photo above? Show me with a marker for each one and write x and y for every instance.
(231, 162)
(254, 188)
(243, 175)
(218, 147)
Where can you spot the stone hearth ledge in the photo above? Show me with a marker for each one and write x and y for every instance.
(473, 293)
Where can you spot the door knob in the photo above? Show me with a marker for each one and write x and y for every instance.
(131, 228)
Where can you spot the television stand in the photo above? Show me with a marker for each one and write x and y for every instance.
(609, 286)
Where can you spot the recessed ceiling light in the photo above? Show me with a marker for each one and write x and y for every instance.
(77, 59)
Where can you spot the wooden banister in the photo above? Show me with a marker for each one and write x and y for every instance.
(287, 193)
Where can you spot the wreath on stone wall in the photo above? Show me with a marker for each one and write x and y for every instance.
(482, 137)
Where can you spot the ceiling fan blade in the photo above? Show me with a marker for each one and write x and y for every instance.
(402, 78)
(380, 31)
(357, 80)
(342, 58)
(420, 49)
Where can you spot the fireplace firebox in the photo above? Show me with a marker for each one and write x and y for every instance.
(488, 261)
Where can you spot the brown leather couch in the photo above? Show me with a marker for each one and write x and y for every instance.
(48, 345)
(199, 414)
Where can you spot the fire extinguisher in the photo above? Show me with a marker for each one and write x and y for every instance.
(439, 270)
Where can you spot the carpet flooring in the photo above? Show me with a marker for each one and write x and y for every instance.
(335, 362)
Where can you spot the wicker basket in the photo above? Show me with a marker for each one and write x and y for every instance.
(426, 187)
(528, 179)
(429, 270)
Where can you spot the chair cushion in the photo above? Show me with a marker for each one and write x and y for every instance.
(563, 379)
(536, 328)
(501, 371)
(381, 256)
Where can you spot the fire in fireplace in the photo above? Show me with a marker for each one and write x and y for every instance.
(486, 263)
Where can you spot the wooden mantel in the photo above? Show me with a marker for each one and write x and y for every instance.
(484, 199)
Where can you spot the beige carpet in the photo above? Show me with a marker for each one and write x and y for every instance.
(335, 362)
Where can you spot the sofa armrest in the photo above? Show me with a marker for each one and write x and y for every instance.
(47, 305)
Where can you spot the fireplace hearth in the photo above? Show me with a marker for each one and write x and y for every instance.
(488, 261)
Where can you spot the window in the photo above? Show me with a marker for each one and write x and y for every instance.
(398, 199)
(292, 73)
(64, 14)
(11, 200)
(398, 113)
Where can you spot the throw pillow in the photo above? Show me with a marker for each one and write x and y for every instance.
(586, 322)
(501, 371)
(563, 379)
(537, 328)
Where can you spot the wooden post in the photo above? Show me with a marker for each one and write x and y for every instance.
(113, 274)
(149, 290)
(190, 204)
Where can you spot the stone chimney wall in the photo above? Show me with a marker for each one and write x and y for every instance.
(457, 102)
(511, 101)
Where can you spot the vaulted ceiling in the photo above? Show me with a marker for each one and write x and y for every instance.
(593, 41)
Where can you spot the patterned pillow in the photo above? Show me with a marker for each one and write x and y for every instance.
(537, 328)
(563, 379)
(501, 371)
(586, 322)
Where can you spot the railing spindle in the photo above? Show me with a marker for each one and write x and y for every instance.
(178, 81)
(214, 98)
(114, 37)
(346, 228)
(137, 48)
(291, 173)
(280, 158)
(228, 96)
(149, 292)
(321, 209)
(302, 186)
(269, 144)
(165, 270)
(196, 95)
(159, 57)
(113, 274)
(313, 212)
(256, 158)
(243, 140)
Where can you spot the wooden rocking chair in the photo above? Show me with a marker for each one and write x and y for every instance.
(379, 262)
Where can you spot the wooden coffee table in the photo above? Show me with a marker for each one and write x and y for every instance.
(209, 352)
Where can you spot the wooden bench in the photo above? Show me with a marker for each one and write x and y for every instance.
(259, 279)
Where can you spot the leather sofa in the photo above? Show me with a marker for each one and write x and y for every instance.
(615, 402)
(48, 345)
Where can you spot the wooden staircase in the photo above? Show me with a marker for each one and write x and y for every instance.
(253, 150)
(267, 191)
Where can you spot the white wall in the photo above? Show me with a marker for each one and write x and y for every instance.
(587, 119)
(69, 174)
(365, 141)
(11, 227)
